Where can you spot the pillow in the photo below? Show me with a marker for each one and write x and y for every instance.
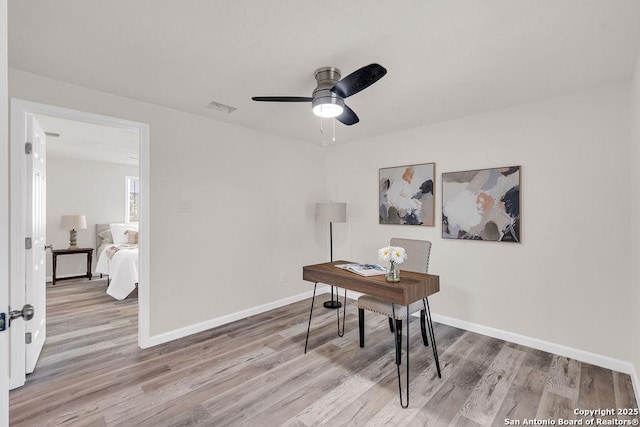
(118, 232)
(132, 237)
(106, 236)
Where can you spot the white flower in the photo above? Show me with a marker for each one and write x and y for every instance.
(384, 254)
(398, 255)
(392, 253)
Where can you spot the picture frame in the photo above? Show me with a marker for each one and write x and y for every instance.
(407, 194)
(482, 204)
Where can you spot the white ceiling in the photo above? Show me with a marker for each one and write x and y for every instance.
(85, 141)
(445, 59)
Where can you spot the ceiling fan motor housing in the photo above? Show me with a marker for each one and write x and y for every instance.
(327, 78)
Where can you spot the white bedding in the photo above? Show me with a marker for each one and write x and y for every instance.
(122, 270)
(101, 249)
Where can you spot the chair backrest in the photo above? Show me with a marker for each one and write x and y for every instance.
(418, 252)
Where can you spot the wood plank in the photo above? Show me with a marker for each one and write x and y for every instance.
(523, 398)
(624, 395)
(351, 389)
(422, 389)
(487, 396)
(564, 377)
(474, 354)
(554, 406)
(596, 390)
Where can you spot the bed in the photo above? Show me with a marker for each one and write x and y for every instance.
(118, 257)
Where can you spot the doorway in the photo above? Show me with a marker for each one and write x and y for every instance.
(19, 110)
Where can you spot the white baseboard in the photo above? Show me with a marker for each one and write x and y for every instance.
(223, 320)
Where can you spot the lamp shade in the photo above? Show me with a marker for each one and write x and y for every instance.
(73, 222)
(331, 212)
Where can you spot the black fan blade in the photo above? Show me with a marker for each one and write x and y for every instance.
(348, 117)
(359, 80)
(282, 98)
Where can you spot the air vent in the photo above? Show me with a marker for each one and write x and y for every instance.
(221, 107)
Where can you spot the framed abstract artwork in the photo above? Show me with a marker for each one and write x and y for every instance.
(406, 195)
(482, 204)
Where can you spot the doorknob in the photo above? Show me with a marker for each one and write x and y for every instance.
(48, 247)
(26, 313)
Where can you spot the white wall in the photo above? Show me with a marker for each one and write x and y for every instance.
(635, 215)
(94, 189)
(568, 282)
(251, 198)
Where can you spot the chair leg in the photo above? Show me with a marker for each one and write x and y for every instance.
(399, 341)
(423, 327)
(361, 325)
(391, 328)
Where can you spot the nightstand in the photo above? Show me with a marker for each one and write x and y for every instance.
(56, 252)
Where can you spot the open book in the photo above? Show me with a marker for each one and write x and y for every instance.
(364, 269)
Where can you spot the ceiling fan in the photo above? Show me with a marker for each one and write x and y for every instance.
(327, 99)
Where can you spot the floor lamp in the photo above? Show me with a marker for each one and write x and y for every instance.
(331, 212)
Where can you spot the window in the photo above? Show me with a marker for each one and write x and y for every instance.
(132, 196)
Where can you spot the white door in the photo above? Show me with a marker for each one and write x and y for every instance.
(27, 338)
(35, 291)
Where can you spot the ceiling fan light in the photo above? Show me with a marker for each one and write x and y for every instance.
(328, 110)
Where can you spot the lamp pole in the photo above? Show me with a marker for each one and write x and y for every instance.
(331, 241)
(331, 212)
(331, 303)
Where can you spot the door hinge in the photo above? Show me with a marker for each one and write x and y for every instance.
(28, 147)
(27, 242)
(27, 338)
(3, 321)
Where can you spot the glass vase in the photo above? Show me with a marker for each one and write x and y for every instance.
(393, 272)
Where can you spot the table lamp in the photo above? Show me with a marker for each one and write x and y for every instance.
(331, 212)
(73, 223)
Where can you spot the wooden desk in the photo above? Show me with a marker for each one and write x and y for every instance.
(412, 287)
(57, 252)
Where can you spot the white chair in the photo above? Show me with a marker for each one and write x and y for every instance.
(418, 252)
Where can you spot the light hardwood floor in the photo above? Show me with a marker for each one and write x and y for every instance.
(253, 373)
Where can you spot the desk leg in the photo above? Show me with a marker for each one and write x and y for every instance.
(398, 342)
(344, 311)
(425, 302)
(306, 341)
